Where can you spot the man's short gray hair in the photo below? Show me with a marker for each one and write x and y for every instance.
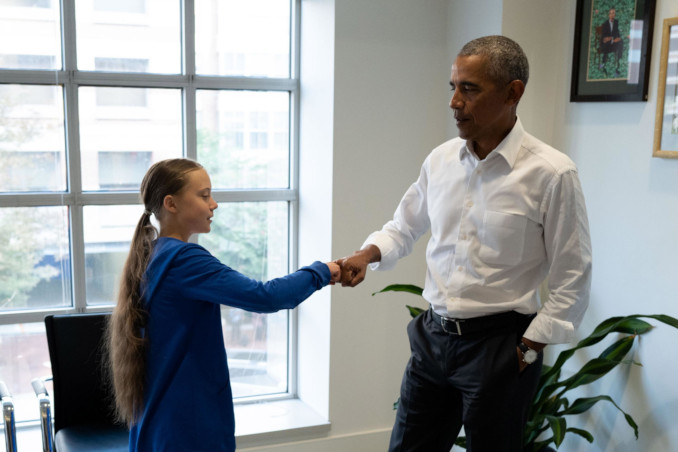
(506, 59)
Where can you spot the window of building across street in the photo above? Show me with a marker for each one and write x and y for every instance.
(93, 92)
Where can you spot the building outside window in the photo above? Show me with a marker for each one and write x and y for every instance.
(93, 92)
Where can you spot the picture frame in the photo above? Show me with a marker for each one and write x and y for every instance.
(611, 62)
(666, 119)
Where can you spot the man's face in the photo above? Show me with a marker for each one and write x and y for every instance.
(480, 106)
(611, 14)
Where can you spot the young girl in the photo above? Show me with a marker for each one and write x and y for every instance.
(166, 347)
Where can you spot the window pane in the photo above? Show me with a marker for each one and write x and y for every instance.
(129, 36)
(242, 38)
(32, 139)
(35, 260)
(23, 357)
(108, 233)
(252, 238)
(243, 138)
(30, 34)
(125, 130)
(126, 6)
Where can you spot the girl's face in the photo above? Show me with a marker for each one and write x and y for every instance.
(194, 205)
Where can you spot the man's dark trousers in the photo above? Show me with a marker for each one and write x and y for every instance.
(470, 380)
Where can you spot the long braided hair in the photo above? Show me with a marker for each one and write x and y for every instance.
(126, 343)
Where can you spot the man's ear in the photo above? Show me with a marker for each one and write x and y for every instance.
(516, 90)
(169, 204)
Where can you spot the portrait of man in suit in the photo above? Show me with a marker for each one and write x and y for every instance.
(611, 42)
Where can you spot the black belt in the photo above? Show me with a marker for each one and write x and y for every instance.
(459, 327)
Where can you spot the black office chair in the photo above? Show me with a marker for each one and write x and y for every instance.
(83, 417)
(8, 418)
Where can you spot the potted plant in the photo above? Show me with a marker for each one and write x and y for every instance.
(551, 405)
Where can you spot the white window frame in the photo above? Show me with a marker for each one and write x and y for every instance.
(70, 79)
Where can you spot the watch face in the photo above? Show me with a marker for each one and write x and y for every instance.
(530, 356)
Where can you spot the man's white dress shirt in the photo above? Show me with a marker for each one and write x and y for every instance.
(499, 227)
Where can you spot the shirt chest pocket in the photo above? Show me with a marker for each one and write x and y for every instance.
(502, 238)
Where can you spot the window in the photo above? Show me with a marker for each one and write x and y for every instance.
(27, 61)
(84, 113)
(132, 6)
(122, 170)
(121, 64)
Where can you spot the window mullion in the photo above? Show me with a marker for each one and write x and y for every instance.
(189, 113)
(77, 240)
(75, 188)
(188, 37)
(293, 228)
(69, 50)
(189, 117)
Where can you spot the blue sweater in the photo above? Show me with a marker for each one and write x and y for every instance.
(188, 405)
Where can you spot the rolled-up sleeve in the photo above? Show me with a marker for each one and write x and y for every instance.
(568, 248)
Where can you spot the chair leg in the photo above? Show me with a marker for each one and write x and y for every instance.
(45, 414)
(8, 418)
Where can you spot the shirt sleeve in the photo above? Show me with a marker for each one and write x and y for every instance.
(206, 278)
(568, 249)
(410, 221)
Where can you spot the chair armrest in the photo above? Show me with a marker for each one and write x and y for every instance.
(45, 413)
(8, 417)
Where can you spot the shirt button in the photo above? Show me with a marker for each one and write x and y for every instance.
(460, 268)
(469, 204)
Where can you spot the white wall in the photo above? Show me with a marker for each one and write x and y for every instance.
(391, 85)
(467, 20)
(390, 70)
(633, 208)
(389, 108)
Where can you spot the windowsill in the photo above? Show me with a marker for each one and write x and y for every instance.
(263, 423)
(257, 424)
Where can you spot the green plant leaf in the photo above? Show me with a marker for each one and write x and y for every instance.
(558, 426)
(555, 404)
(538, 446)
(410, 288)
(619, 349)
(532, 430)
(546, 385)
(415, 311)
(583, 433)
(628, 324)
(583, 404)
(593, 370)
(590, 372)
(667, 319)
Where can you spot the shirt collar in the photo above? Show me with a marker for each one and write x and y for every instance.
(508, 149)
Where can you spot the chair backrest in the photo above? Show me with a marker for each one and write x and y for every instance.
(599, 36)
(81, 394)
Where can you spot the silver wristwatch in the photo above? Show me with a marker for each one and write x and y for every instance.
(529, 355)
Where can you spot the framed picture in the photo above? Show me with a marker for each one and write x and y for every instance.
(666, 121)
(612, 45)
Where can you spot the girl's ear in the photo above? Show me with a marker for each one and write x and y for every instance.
(169, 204)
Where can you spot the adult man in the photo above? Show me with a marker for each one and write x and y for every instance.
(504, 210)
(611, 41)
